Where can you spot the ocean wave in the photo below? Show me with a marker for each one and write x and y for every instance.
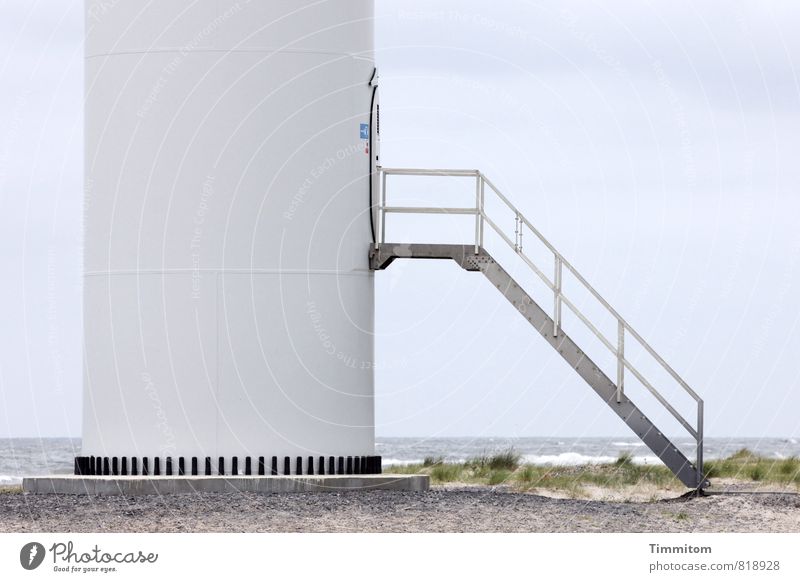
(568, 459)
(10, 480)
(401, 462)
(574, 459)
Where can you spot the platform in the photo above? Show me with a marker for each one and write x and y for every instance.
(118, 485)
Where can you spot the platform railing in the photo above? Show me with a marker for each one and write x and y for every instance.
(624, 329)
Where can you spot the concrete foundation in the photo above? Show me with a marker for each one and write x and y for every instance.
(77, 485)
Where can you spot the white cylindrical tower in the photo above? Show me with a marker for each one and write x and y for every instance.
(228, 301)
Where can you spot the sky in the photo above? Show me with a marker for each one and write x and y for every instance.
(654, 144)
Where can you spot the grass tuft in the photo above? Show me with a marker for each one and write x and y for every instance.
(757, 473)
(624, 460)
(790, 466)
(499, 476)
(446, 473)
(509, 460)
(712, 469)
(527, 474)
(431, 461)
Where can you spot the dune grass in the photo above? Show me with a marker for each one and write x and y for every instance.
(507, 468)
(746, 465)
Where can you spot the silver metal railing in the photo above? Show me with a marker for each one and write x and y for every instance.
(482, 183)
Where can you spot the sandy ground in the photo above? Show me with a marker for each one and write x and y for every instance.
(452, 509)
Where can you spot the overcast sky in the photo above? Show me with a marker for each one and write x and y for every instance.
(655, 144)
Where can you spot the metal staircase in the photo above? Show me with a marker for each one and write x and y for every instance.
(474, 257)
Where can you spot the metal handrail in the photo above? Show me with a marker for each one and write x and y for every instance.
(559, 299)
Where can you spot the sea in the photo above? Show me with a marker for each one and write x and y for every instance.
(30, 456)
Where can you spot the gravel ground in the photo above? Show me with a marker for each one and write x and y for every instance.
(440, 510)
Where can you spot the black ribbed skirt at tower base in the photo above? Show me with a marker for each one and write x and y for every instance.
(236, 466)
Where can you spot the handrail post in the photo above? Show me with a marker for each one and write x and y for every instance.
(383, 207)
(376, 208)
(620, 360)
(478, 216)
(482, 200)
(557, 296)
(700, 471)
